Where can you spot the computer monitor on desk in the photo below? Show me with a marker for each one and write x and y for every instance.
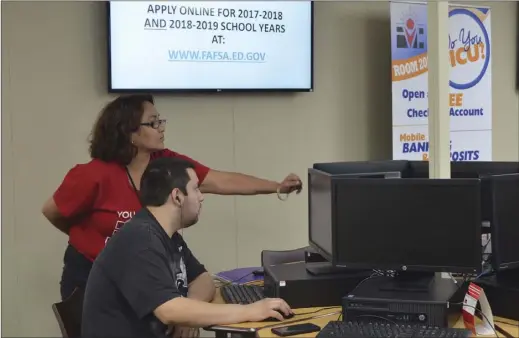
(504, 220)
(415, 227)
(321, 202)
(502, 213)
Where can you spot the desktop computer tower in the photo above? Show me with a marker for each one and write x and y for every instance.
(300, 288)
(371, 301)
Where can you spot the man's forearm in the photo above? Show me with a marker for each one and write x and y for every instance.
(202, 288)
(194, 313)
(202, 295)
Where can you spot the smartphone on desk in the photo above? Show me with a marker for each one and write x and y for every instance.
(292, 330)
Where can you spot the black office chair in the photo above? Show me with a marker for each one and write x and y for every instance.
(68, 313)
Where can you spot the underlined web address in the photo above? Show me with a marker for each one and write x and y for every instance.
(175, 55)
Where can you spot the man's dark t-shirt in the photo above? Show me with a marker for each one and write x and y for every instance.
(140, 268)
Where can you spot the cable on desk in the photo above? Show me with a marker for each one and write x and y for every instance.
(316, 311)
(375, 274)
(235, 280)
(506, 323)
(481, 313)
(500, 329)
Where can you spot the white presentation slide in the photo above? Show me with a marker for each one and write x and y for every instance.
(210, 45)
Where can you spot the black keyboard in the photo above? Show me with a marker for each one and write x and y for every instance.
(241, 294)
(365, 329)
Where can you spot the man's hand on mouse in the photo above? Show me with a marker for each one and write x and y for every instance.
(267, 308)
(290, 184)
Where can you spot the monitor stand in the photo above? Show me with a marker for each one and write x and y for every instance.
(326, 268)
(409, 282)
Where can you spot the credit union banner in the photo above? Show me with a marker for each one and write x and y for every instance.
(470, 97)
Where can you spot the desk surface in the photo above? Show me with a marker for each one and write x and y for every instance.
(325, 315)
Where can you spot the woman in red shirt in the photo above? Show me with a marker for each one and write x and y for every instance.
(96, 198)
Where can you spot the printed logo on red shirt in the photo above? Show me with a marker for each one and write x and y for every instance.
(122, 218)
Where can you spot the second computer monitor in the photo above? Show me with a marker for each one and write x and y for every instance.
(465, 169)
(320, 210)
(504, 222)
(321, 205)
(366, 167)
(407, 224)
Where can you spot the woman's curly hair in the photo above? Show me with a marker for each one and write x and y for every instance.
(111, 135)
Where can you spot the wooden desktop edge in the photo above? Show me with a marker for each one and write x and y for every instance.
(255, 327)
(252, 327)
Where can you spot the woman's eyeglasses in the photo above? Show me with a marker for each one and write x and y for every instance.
(155, 124)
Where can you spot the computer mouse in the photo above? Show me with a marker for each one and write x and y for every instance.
(285, 317)
(289, 316)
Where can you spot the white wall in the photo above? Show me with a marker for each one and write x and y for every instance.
(54, 84)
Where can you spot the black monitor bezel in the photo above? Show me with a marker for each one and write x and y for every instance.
(330, 256)
(497, 262)
(324, 253)
(475, 183)
(356, 167)
(113, 90)
(466, 169)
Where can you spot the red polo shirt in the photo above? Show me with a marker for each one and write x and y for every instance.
(98, 197)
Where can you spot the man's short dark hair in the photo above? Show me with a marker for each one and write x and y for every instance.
(161, 177)
(111, 134)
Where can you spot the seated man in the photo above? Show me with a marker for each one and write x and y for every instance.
(147, 279)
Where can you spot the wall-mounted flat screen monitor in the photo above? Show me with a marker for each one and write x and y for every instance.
(210, 46)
